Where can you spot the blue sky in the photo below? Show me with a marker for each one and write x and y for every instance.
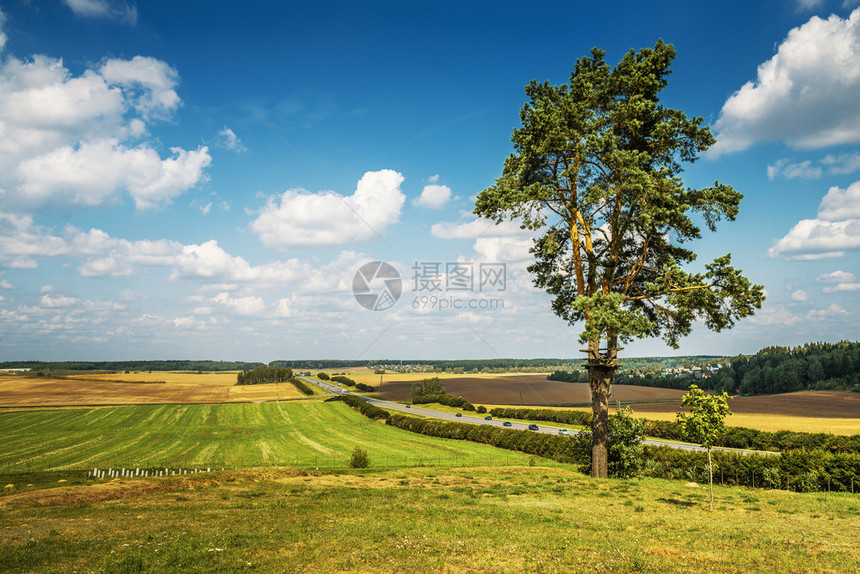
(204, 180)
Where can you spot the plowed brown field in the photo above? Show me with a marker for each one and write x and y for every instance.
(536, 390)
(528, 390)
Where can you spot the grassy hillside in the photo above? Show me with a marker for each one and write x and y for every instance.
(502, 519)
(475, 509)
(306, 434)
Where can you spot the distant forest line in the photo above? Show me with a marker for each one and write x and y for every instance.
(814, 366)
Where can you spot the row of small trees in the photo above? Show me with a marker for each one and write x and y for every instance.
(343, 379)
(263, 375)
(431, 391)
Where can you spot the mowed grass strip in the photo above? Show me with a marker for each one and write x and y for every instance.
(303, 434)
(501, 519)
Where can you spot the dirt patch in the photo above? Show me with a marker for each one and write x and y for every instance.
(78, 495)
(535, 390)
(530, 390)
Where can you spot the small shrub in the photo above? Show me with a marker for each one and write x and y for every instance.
(772, 477)
(359, 458)
(808, 482)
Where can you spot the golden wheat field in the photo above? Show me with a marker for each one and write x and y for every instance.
(136, 388)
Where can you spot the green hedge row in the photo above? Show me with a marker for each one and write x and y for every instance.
(447, 400)
(301, 386)
(739, 437)
(564, 417)
(799, 470)
(362, 406)
(554, 447)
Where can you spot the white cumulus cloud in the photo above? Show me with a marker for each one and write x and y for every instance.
(76, 139)
(90, 173)
(805, 95)
(835, 230)
(433, 196)
(22, 242)
(299, 218)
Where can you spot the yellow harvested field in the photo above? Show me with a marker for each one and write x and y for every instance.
(178, 377)
(773, 423)
(760, 421)
(136, 388)
(268, 392)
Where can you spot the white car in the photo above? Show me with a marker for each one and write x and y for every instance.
(563, 432)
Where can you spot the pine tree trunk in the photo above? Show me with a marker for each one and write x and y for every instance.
(600, 373)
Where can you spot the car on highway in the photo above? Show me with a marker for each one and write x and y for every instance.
(488, 418)
(458, 415)
(408, 406)
(507, 424)
(533, 427)
(563, 432)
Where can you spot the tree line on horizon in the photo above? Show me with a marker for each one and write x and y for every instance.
(813, 366)
(165, 365)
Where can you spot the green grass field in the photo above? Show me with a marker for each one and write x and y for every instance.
(502, 519)
(305, 434)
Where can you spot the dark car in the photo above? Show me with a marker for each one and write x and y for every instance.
(533, 427)
(408, 406)
(506, 424)
(458, 415)
(488, 418)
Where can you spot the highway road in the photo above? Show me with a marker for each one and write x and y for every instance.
(481, 420)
